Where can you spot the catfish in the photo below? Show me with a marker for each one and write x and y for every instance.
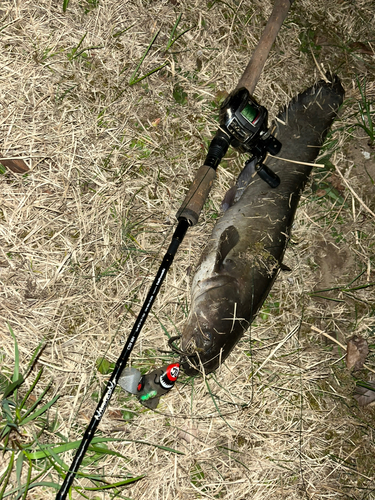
(245, 250)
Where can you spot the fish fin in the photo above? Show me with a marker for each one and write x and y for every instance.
(228, 240)
(228, 198)
(245, 177)
(243, 180)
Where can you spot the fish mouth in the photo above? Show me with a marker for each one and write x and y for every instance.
(209, 335)
(191, 361)
(193, 364)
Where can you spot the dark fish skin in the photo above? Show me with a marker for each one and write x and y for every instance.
(242, 258)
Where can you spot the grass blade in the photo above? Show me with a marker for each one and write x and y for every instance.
(31, 389)
(16, 356)
(32, 408)
(106, 451)
(28, 479)
(359, 287)
(119, 33)
(216, 406)
(13, 386)
(19, 465)
(6, 475)
(133, 80)
(161, 447)
(171, 41)
(45, 484)
(38, 351)
(40, 411)
(149, 73)
(61, 448)
(112, 485)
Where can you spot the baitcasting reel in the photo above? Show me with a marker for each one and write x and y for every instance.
(246, 122)
(243, 125)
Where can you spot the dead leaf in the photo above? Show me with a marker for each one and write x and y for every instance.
(17, 166)
(361, 48)
(356, 352)
(189, 433)
(321, 192)
(336, 182)
(365, 395)
(115, 414)
(156, 122)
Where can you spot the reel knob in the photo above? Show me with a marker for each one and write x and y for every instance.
(268, 175)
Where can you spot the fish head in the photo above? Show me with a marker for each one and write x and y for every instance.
(214, 324)
(211, 329)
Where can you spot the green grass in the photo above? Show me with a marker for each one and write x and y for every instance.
(173, 37)
(77, 51)
(88, 5)
(366, 114)
(25, 418)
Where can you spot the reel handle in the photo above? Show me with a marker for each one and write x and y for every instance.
(268, 175)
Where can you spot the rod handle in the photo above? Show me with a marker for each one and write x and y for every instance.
(252, 73)
(197, 195)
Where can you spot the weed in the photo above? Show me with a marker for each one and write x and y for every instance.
(365, 113)
(104, 366)
(270, 308)
(197, 475)
(172, 39)
(121, 32)
(307, 41)
(90, 5)
(179, 94)
(65, 93)
(18, 417)
(344, 289)
(134, 78)
(173, 36)
(29, 460)
(75, 53)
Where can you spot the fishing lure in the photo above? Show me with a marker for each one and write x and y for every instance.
(148, 388)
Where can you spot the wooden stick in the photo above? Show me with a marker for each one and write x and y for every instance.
(251, 75)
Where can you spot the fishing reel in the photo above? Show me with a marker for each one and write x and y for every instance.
(148, 388)
(245, 121)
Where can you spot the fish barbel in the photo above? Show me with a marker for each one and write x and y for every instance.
(245, 250)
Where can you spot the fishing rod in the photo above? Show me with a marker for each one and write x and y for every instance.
(243, 125)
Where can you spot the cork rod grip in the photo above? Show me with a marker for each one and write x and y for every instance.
(197, 195)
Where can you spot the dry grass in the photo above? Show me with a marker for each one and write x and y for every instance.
(83, 233)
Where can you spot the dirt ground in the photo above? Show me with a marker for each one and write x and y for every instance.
(82, 233)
